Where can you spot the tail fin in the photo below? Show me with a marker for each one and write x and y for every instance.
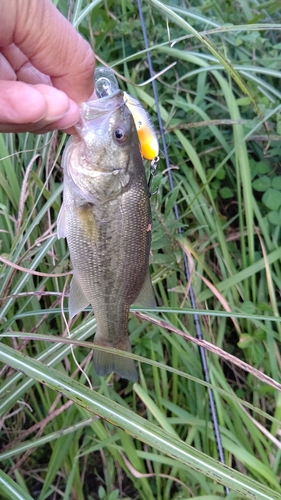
(107, 362)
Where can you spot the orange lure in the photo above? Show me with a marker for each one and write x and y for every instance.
(145, 128)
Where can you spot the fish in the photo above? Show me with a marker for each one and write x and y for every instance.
(106, 219)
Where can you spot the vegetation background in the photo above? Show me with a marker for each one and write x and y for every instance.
(72, 435)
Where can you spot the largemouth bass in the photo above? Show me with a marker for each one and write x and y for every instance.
(106, 219)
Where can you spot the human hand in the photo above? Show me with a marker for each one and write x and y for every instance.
(46, 68)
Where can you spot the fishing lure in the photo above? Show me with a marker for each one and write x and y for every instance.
(145, 128)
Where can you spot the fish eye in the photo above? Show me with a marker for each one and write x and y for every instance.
(120, 135)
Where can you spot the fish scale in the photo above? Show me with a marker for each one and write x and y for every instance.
(106, 219)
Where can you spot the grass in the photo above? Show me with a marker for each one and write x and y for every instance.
(220, 105)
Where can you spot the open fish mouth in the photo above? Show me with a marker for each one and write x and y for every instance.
(95, 115)
(91, 110)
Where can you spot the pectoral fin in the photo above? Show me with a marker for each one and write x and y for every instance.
(61, 223)
(77, 299)
(146, 295)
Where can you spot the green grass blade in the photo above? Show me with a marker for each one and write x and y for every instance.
(11, 490)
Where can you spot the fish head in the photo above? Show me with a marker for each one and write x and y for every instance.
(99, 161)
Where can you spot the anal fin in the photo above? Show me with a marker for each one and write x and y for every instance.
(146, 296)
(77, 299)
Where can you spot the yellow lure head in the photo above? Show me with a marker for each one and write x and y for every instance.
(145, 128)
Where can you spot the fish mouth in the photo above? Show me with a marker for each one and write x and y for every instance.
(95, 115)
(91, 110)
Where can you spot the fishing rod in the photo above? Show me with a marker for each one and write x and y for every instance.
(197, 325)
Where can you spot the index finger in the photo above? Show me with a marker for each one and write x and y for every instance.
(51, 44)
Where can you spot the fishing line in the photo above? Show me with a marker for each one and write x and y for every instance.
(69, 335)
(199, 335)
